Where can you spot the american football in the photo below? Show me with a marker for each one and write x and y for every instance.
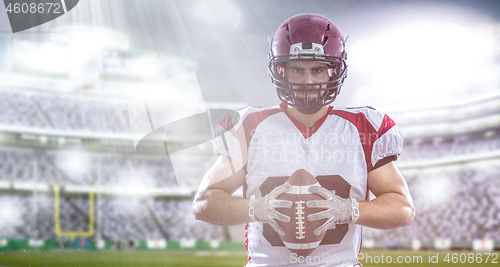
(299, 237)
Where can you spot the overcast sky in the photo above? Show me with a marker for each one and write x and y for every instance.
(229, 39)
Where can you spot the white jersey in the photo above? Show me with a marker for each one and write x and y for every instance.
(339, 150)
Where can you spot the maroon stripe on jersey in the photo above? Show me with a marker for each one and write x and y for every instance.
(367, 133)
(387, 124)
(250, 123)
(306, 131)
(227, 122)
(253, 120)
(245, 243)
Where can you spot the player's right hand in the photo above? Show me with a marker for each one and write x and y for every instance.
(264, 209)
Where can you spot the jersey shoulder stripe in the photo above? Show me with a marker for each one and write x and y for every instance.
(380, 121)
(247, 120)
(254, 118)
(236, 118)
(371, 115)
(371, 125)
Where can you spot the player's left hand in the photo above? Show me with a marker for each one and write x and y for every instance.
(338, 210)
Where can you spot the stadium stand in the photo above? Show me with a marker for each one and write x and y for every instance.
(467, 210)
(19, 110)
(18, 165)
(450, 149)
(122, 219)
(64, 112)
(83, 113)
(172, 214)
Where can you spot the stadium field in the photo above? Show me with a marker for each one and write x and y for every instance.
(135, 258)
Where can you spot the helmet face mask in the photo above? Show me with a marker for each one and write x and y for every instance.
(307, 37)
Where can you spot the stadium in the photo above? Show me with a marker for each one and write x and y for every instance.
(87, 179)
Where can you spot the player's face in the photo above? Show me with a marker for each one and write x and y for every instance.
(306, 72)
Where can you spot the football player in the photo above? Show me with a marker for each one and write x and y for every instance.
(350, 151)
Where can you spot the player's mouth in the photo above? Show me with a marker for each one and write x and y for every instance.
(310, 95)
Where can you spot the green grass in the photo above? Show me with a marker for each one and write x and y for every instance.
(125, 258)
(137, 258)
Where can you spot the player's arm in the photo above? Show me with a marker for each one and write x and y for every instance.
(214, 202)
(393, 205)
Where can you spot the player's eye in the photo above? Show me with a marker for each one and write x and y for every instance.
(320, 70)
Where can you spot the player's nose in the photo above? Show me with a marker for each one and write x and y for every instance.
(308, 77)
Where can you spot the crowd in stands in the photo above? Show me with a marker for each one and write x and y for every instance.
(115, 219)
(468, 210)
(460, 205)
(17, 109)
(64, 112)
(20, 165)
(457, 204)
(450, 149)
(172, 214)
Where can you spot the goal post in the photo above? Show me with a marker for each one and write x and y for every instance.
(57, 223)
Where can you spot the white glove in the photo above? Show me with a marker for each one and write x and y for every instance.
(264, 209)
(339, 210)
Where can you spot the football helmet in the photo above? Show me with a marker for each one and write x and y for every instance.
(308, 37)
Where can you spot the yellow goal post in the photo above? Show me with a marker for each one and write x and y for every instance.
(57, 224)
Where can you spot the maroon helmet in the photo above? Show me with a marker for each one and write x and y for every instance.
(308, 37)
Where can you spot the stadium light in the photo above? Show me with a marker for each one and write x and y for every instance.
(435, 190)
(75, 163)
(46, 57)
(11, 213)
(86, 39)
(133, 183)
